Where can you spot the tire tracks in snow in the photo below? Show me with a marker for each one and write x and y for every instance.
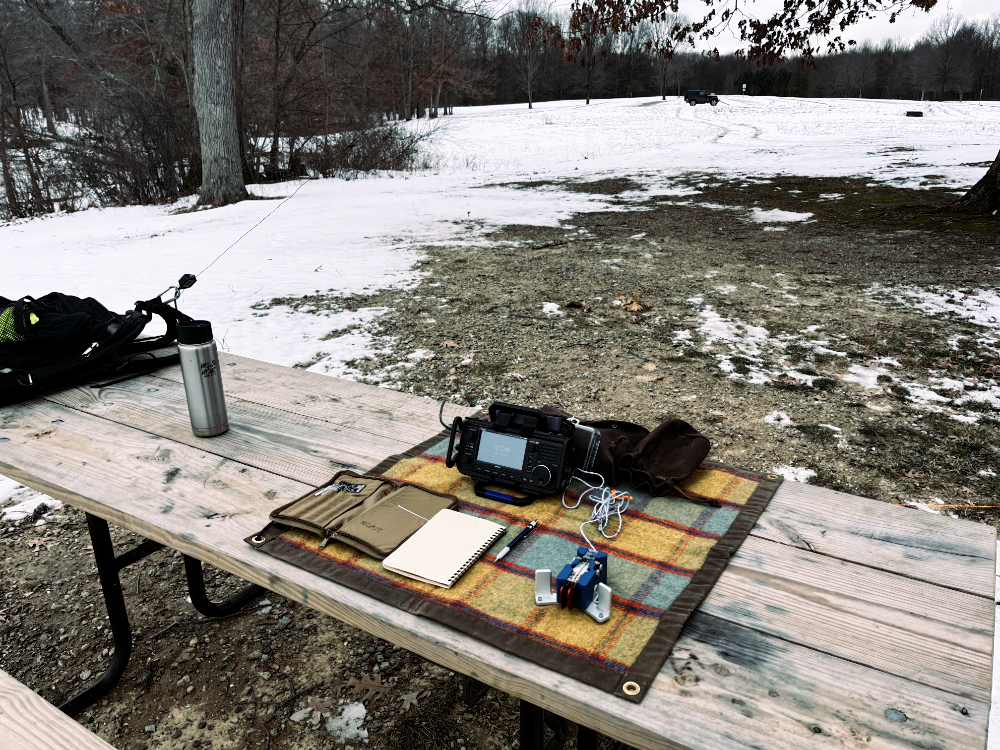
(724, 131)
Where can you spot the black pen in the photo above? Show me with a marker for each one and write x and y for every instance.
(517, 540)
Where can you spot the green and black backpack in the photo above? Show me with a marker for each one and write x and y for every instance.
(59, 340)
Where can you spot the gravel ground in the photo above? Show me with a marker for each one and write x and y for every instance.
(789, 344)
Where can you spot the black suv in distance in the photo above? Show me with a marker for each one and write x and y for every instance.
(700, 96)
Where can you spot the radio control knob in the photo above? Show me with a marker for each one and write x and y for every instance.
(542, 473)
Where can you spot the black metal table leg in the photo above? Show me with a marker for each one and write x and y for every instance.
(107, 569)
(532, 727)
(200, 600)
(558, 726)
(586, 738)
(473, 690)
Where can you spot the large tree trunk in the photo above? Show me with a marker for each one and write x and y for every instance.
(246, 161)
(273, 163)
(215, 45)
(984, 197)
(39, 205)
(50, 120)
(13, 204)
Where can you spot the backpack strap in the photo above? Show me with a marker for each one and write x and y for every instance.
(19, 318)
(171, 316)
(140, 367)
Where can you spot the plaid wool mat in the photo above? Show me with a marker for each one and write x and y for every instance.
(669, 554)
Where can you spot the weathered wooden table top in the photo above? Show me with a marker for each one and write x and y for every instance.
(842, 622)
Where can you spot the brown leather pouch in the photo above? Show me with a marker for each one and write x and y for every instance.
(656, 460)
(617, 438)
(372, 514)
(667, 455)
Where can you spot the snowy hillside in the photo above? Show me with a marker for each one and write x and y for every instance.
(347, 236)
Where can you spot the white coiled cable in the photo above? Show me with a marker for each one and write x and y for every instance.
(607, 503)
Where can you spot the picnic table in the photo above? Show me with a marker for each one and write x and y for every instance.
(840, 622)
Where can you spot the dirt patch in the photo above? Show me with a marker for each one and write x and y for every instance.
(606, 186)
(771, 337)
(741, 321)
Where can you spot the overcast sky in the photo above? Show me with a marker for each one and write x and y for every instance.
(910, 25)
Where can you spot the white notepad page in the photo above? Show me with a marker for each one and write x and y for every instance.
(441, 550)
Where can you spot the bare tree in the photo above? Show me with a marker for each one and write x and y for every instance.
(986, 56)
(521, 35)
(663, 45)
(216, 45)
(944, 59)
(894, 69)
(631, 53)
(861, 68)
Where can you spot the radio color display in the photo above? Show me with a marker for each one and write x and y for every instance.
(502, 450)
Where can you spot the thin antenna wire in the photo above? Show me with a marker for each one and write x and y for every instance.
(386, 112)
(254, 226)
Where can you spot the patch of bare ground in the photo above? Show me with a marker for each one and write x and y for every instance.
(772, 338)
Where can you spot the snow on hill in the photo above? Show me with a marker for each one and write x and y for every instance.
(352, 235)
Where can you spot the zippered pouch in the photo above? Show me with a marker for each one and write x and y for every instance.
(369, 513)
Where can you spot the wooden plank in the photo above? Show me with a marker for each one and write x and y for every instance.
(208, 506)
(383, 411)
(293, 443)
(756, 691)
(947, 551)
(29, 722)
(307, 449)
(901, 626)
(942, 550)
(300, 444)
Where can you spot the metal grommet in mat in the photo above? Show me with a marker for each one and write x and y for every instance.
(259, 539)
(772, 476)
(631, 688)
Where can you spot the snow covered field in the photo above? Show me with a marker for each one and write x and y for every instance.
(750, 136)
(349, 235)
(365, 234)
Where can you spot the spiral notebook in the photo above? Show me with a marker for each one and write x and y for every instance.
(441, 550)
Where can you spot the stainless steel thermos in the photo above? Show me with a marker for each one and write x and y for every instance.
(202, 378)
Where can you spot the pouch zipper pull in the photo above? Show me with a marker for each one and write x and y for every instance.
(326, 541)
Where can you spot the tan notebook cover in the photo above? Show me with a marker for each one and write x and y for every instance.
(444, 548)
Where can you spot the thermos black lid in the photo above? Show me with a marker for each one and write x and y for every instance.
(194, 332)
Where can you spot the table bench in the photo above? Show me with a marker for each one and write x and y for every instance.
(841, 622)
(29, 722)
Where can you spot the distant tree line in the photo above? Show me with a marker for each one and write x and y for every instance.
(97, 102)
(954, 60)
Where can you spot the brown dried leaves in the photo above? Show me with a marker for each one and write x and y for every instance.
(39, 543)
(634, 303)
